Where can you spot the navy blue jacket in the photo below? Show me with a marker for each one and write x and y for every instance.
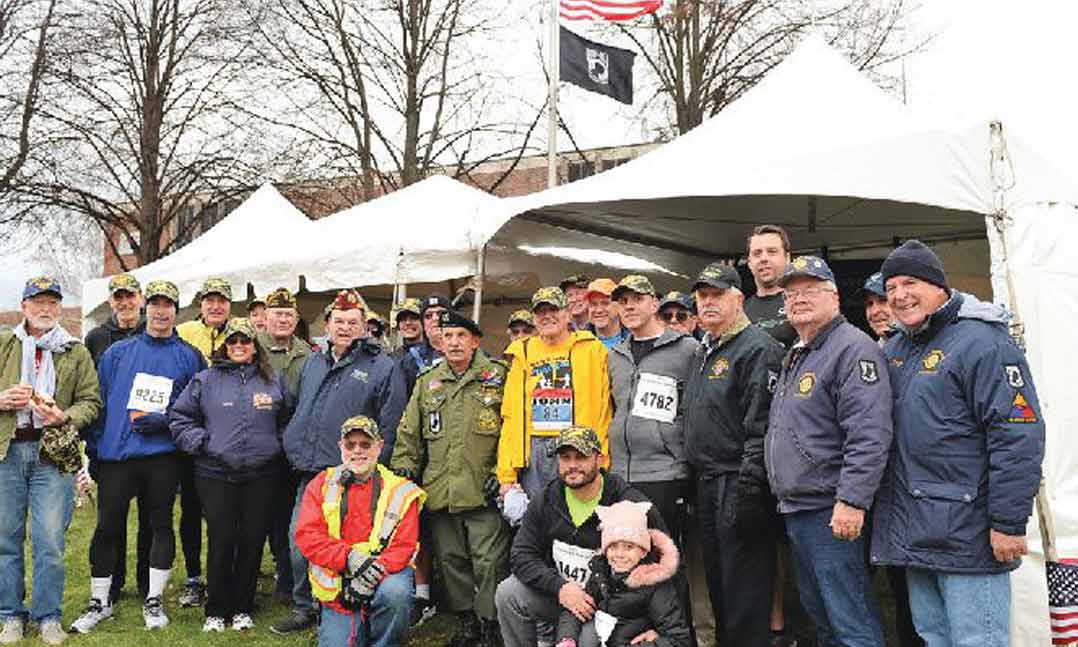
(110, 437)
(829, 431)
(365, 382)
(969, 441)
(230, 419)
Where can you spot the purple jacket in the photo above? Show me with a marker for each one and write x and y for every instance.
(230, 419)
(830, 426)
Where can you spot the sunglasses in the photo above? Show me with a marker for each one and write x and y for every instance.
(239, 341)
(361, 445)
(669, 316)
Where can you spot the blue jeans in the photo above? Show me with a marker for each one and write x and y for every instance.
(833, 582)
(26, 483)
(302, 599)
(390, 611)
(956, 610)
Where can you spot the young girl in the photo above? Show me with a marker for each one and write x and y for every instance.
(631, 585)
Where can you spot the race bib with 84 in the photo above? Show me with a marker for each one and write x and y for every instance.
(150, 393)
(656, 398)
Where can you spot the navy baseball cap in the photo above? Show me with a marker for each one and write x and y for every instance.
(873, 285)
(812, 267)
(40, 285)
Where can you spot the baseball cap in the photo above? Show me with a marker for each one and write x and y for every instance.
(582, 439)
(873, 285)
(577, 280)
(257, 301)
(362, 424)
(718, 275)
(165, 289)
(522, 316)
(412, 305)
(550, 296)
(812, 267)
(679, 299)
(123, 283)
(633, 283)
(604, 287)
(240, 326)
(215, 286)
(436, 301)
(40, 285)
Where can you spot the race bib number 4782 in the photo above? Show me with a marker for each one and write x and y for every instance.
(150, 393)
(656, 398)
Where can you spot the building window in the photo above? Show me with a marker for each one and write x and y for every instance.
(580, 170)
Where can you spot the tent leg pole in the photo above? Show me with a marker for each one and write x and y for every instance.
(481, 263)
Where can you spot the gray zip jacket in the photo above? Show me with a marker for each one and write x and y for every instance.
(647, 449)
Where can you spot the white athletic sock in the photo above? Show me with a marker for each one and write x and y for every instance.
(422, 591)
(158, 580)
(99, 589)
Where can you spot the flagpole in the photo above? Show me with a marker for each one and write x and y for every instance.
(552, 101)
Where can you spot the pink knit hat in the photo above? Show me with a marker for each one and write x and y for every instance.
(625, 521)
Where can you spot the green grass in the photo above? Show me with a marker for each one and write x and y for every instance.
(127, 628)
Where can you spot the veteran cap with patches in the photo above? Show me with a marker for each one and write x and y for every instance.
(675, 298)
(453, 319)
(361, 424)
(411, 305)
(550, 296)
(123, 283)
(521, 316)
(812, 267)
(240, 326)
(347, 300)
(41, 285)
(281, 298)
(633, 283)
(215, 286)
(718, 275)
(582, 439)
(574, 280)
(165, 289)
(873, 286)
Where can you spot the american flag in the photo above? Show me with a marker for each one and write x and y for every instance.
(607, 9)
(1063, 601)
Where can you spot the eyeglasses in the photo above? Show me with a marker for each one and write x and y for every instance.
(670, 315)
(357, 445)
(809, 293)
(239, 341)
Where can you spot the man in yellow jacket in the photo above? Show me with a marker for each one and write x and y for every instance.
(206, 333)
(557, 379)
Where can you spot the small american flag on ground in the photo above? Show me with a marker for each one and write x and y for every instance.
(1063, 601)
(607, 9)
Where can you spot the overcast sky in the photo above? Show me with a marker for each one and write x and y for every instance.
(991, 59)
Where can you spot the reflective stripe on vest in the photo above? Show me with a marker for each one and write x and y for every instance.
(396, 497)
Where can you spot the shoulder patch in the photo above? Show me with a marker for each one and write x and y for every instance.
(1021, 411)
(869, 374)
(1014, 375)
(805, 383)
(772, 381)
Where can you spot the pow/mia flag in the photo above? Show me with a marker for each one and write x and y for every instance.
(595, 67)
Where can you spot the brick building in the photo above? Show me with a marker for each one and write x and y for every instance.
(70, 318)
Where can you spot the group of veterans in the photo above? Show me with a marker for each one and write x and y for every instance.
(635, 468)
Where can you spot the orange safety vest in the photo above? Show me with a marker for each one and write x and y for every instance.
(396, 497)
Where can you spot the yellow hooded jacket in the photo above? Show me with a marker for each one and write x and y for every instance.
(572, 376)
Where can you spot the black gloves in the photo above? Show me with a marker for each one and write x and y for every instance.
(364, 573)
(406, 474)
(151, 423)
(492, 489)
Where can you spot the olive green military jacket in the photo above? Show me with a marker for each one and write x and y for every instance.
(77, 390)
(449, 432)
(287, 362)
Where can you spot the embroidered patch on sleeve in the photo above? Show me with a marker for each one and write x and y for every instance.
(869, 374)
(1014, 375)
(1021, 411)
(772, 381)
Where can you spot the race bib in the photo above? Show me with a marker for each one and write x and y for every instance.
(150, 393)
(552, 398)
(656, 398)
(604, 625)
(572, 561)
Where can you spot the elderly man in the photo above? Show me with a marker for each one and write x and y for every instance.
(125, 300)
(826, 446)
(678, 311)
(448, 442)
(604, 321)
(648, 372)
(359, 527)
(557, 379)
(575, 288)
(878, 313)
(214, 306)
(48, 394)
(731, 379)
(352, 377)
(521, 324)
(141, 378)
(550, 558)
(968, 446)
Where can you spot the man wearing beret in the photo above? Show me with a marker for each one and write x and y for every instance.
(448, 443)
(826, 447)
(125, 300)
(358, 524)
(966, 460)
(48, 394)
(354, 376)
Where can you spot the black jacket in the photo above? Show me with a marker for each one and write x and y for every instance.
(547, 520)
(727, 400)
(100, 338)
(642, 599)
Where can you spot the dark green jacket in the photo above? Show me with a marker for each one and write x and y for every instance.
(287, 362)
(77, 391)
(449, 432)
